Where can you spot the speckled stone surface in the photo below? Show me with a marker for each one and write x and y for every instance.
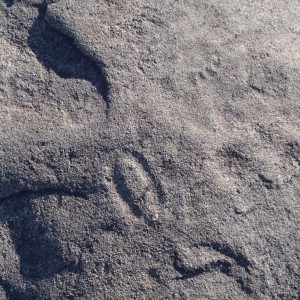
(149, 149)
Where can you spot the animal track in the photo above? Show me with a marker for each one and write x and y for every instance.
(146, 166)
(138, 186)
(208, 257)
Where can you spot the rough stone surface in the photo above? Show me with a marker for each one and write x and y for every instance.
(149, 149)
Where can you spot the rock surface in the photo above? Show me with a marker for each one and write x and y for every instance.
(149, 149)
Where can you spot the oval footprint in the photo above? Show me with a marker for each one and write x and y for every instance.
(136, 188)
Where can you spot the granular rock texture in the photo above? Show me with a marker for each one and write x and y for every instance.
(149, 149)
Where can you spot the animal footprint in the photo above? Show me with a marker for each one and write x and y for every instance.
(138, 187)
(213, 257)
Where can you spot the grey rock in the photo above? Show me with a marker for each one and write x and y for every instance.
(149, 149)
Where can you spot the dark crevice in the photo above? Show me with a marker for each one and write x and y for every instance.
(221, 265)
(9, 3)
(232, 153)
(244, 286)
(190, 274)
(269, 184)
(226, 250)
(59, 53)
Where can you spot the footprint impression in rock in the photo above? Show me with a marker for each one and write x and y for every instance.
(204, 258)
(138, 187)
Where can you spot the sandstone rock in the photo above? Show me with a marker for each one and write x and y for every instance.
(149, 149)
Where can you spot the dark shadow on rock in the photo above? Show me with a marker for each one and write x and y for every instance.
(59, 53)
(40, 252)
(14, 293)
(9, 3)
